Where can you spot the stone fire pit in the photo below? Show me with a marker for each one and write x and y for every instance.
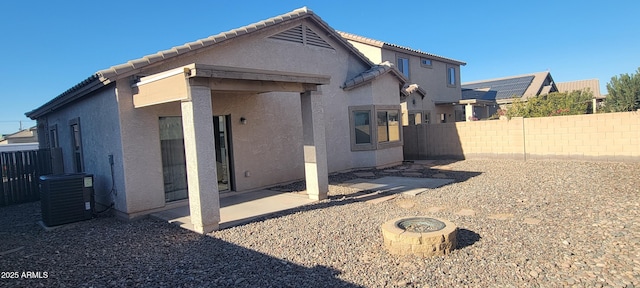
(422, 236)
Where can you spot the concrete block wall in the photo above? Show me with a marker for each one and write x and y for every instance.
(599, 137)
(603, 137)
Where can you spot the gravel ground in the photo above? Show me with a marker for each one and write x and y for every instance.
(522, 224)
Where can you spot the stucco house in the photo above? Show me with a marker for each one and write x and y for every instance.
(436, 79)
(272, 102)
(23, 136)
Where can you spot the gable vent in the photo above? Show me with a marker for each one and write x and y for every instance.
(302, 35)
(314, 40)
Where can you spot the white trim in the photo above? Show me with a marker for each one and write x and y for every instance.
(19, 147)
(157, 77)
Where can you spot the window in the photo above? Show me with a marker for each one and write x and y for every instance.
(76, 142)
(460, 115)
(385, 132)
(413, 118)
(451, 76)
(53, 136)
(362, 125)
(427, 117)
(361, 128)
(388, 126)
(403, 66)
(426, 62)
(174, 163)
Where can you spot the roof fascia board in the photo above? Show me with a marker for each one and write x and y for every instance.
(396, 48)
(158, 77)
(224, 72)
(421, 54)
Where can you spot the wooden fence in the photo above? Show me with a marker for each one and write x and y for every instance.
(20, 172)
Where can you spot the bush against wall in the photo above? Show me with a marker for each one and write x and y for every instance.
(553, 104)
(624, 93)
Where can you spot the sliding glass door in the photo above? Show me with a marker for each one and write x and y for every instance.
(174, 164)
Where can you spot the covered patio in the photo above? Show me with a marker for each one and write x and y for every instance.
(469, 108)
(193, 86)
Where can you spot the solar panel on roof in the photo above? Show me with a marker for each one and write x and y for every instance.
(504, 88)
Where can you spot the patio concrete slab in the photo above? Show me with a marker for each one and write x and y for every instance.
(239, 208)
(405, 185)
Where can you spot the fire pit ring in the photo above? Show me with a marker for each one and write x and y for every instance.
(421, 235)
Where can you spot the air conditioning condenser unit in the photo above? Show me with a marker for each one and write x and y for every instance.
(66, 198)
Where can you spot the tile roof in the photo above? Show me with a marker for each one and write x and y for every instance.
(407, 89)
(367, 76)
(211, 40)
(106, 76)
(379, 70)
(381, 44)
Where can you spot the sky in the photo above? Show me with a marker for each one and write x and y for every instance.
(46, 47)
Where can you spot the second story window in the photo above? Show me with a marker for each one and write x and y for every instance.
(451, 76)
(424, 62)
(403, 66)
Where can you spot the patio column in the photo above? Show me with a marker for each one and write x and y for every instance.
(468, 111)
(315, 146)
(197, 123)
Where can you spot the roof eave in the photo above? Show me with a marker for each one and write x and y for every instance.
(133, 66)
(422, 54)
(106, 76)
(91, 84)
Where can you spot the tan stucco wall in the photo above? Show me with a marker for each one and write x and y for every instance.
(373, 53)
(603, 137)
(433, 80)
(269, 146)
(100, 136)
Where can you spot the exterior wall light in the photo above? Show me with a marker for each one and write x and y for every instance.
(243, 120)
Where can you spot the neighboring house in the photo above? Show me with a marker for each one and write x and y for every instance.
(23, 136)
(276, 101)
(592, 85)
(436, 79)
(23, 140)
(483, 98)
